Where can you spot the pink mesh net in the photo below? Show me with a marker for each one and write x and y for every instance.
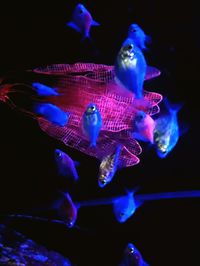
(82, 83)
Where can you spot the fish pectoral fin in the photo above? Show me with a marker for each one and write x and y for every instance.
(72, 25)
(95, 23)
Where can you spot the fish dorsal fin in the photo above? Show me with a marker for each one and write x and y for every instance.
(172, 108)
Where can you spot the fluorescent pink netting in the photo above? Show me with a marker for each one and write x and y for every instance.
(82, 83)
(95, 71)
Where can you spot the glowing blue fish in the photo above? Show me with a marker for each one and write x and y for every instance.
(138, 36)
(132, 257)
(92, 123)
(43, 90)
(108, 167)
(65, 165)
(82, 21)
(125, 206)
(166, 131)
(52, 113)
(130, 67)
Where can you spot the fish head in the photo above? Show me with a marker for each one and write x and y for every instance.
(58, 155)
(103, 180)
(122, 216)
(130, 248)
(144, 125)
(70, 221)
(91, 109)
(124, 208)
(139, 117)
(127, 50)
(134, 255)
(82, 17)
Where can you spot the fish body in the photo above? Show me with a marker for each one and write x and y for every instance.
(108, 167)
(65, 165)
(67, 210)
(43, 90)
(52, 113)
(166, 131)
(92, 123)
(132, 257)
(130, 68)
(124, 207)
(82, 21)
(143, 127)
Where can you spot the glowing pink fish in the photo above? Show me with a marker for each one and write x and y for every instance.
(82, 21)
(67, 209)
(143, 127)
(65, 165)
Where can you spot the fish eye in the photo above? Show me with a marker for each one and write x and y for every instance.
(133, 30)
(130, 47)
(81, 11)
(121, 214)
(131, 250)
(58, 153)
(156, 135)
(92, 107)
(140, 116)
(69, 224)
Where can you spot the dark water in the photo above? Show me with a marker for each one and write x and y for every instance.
(166, 233)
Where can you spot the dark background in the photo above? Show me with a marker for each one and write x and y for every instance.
(166, 232)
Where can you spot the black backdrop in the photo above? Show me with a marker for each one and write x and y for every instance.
(167, 232)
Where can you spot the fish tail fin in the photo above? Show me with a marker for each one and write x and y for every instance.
(78, 205)
(131, 193)
(39, 108)
(93, 144)
(172, 108)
